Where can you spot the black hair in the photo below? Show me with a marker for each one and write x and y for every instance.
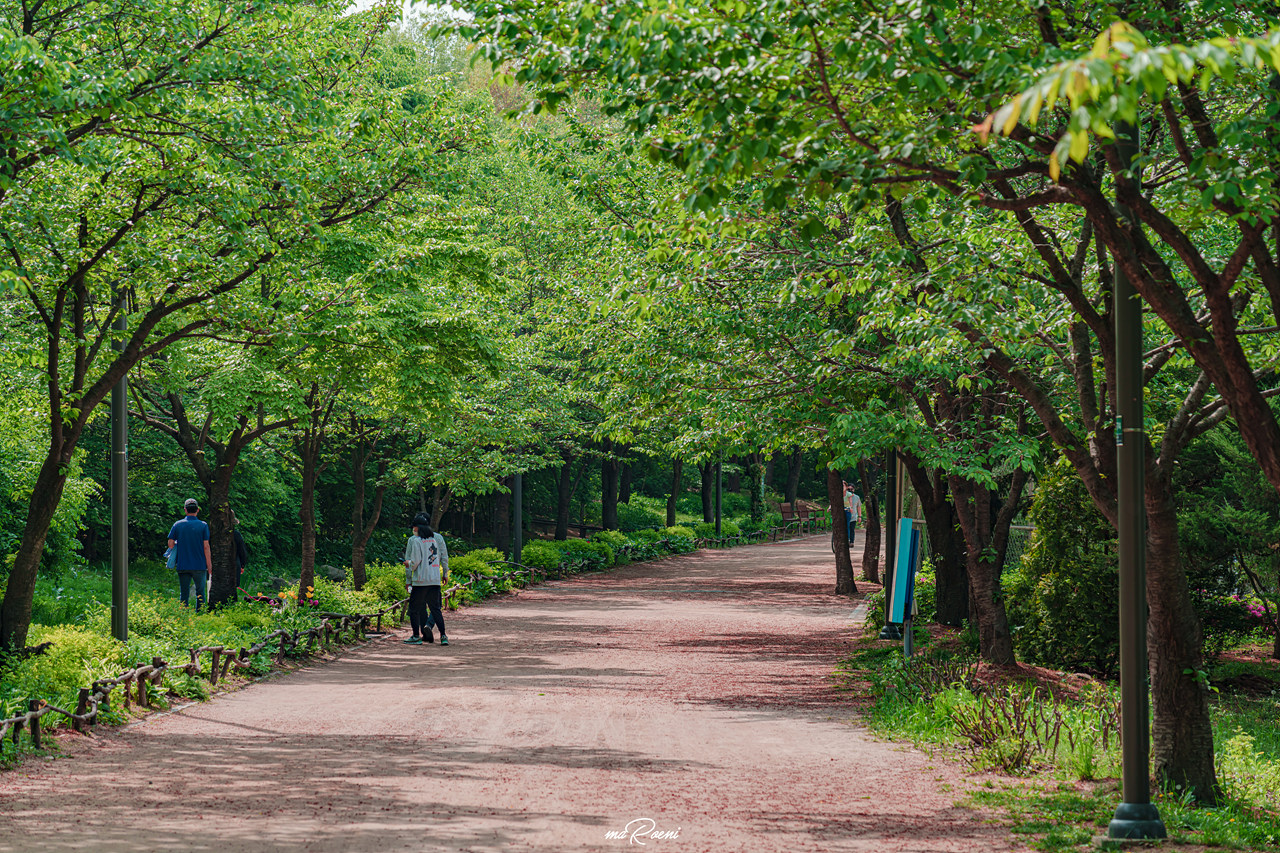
(423, 523)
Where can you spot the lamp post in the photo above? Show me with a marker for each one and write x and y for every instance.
(1136, 816)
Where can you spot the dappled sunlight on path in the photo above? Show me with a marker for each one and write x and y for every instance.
(694, 692)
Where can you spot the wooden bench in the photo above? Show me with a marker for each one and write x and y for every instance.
(798, 511)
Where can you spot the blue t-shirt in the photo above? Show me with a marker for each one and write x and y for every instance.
(191, 533)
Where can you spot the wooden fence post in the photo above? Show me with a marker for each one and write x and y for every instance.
(34, 705)
(82, 705)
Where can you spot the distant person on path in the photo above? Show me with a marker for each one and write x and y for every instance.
(848, 511)
(426, 565)
(194, 561)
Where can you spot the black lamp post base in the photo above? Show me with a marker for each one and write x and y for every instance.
(1136, 821)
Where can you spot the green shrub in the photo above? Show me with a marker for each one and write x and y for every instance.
(613, 538)
(343, 598)
(681, 539)
(1062, 599)
(637, 518)
(79, 656)
(541, 555)
(729, 528)
(705, 530)
(385, 581)
(476, 563)
(595, 555)
(771, 520)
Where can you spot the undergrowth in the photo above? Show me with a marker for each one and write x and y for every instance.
(1064, 745)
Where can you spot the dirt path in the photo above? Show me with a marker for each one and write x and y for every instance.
(693, 692)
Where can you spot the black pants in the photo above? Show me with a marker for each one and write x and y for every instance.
(421, 599)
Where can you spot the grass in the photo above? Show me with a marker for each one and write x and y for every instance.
(1060, 802)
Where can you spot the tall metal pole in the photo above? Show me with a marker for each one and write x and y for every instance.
(1136, 816)
(893, 506)
(719, 484)
(120, 491)
(517, 531)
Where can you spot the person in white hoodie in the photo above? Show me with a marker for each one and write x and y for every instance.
(426, 566)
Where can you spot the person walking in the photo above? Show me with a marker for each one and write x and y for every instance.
(848, 511)
(189, 538)
(426, 567)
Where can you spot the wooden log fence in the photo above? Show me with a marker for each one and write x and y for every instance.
(135, 684)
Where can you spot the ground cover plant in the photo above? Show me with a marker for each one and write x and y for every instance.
(1046, 746)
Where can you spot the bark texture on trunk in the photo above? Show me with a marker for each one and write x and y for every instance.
(677, 468)
(624, 483)
(794, 467)
(361, 531)
(987, 540)
(946, 541)
(755, 484)
(566, 486)
(840, 536)
(609, 489)
(871, 516)
(502, 517)
(309, 453)
(19, 593)
(708, 491)
(440, 505)
(1181, 730)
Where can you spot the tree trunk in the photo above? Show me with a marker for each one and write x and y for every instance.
(624, 484)
(609, 493)
(733, 481)
(225, 579)
(840, 535)
(359, 459)
(946, 541)
(19, 593)
(502, 518)
(871, 516)
(1181, 730)
(755, 486)
(361, 532)
(795, 465)
(567, 485)
(439, 506)
(677, 468)
(708, 490)
(309, 451)
(987, 540)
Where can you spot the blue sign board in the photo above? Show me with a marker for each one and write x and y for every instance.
(904, 571)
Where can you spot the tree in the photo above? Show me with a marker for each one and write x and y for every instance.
(151, 178)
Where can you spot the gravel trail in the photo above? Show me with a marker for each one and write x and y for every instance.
(691, 696)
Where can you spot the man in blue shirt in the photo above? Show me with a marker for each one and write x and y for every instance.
(190, 537)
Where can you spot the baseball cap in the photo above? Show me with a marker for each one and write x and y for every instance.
(191, 503)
